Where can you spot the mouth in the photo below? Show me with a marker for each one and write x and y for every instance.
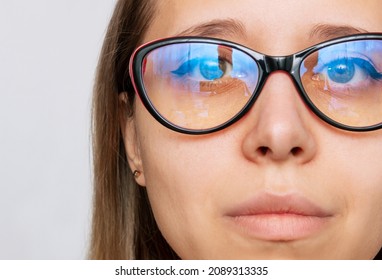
(273, 217)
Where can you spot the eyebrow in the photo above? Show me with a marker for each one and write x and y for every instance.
(216, 28)
(328, 31)
(233, 27)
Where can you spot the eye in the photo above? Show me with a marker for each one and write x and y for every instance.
(202, 69)
(350, 70)
(341, 71)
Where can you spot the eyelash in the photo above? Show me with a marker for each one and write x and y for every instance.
(364, 65)
(189, 67)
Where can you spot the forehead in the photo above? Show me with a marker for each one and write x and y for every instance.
(266, 20)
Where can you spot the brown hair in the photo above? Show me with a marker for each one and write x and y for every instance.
(123, 224)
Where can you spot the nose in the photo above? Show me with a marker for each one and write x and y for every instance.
(280, 129)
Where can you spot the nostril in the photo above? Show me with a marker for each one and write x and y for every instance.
(296, 151)
(263, 150)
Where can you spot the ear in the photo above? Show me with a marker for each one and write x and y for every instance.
(130, 140)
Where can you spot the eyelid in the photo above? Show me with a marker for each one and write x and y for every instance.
(226, 53)
(324, 61)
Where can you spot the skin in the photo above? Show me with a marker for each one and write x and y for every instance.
(279, 146)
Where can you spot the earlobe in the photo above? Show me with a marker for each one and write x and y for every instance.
(131, 142)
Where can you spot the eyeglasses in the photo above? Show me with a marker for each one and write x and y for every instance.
(200, 85)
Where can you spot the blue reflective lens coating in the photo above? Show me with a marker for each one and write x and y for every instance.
(199, 85)
(344, 81)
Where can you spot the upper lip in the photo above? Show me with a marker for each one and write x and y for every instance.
(274, 204)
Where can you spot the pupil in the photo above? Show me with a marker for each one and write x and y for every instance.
(212, 70)
(341, 72)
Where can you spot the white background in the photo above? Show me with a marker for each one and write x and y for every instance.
(48, 54)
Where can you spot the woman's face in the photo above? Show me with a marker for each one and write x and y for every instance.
(279, 183)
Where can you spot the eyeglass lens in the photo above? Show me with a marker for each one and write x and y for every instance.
(344, 82)
(203, 85)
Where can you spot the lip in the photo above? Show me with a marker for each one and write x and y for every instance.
(273, 217)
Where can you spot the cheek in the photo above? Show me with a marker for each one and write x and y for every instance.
(181, 182)
(182, 190)
(184, 182)
(357, 167)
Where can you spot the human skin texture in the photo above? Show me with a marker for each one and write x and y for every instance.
(279, 183)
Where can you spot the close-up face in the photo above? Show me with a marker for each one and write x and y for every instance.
(279, 182)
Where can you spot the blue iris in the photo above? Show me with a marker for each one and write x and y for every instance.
(211, 69)
(341, 71)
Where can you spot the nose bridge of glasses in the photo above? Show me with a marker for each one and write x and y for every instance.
(278, 63)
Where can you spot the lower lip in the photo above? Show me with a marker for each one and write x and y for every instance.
(279, 227)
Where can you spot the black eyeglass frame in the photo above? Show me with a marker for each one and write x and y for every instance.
(267, 65)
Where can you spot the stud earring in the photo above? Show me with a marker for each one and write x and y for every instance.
(136, 174)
